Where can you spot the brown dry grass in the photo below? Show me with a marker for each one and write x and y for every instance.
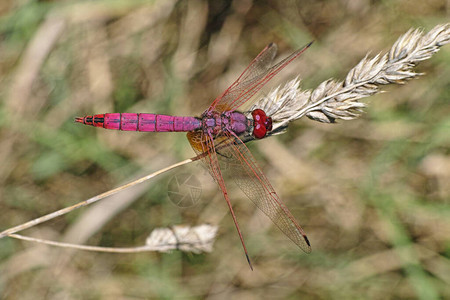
(372, 194)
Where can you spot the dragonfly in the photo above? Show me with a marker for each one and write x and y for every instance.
(218, 138)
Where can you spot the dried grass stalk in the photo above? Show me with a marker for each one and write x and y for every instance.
(333, 100)
(195, 239)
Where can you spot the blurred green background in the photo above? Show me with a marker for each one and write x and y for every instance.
(372, 194)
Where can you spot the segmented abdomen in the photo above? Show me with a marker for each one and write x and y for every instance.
(141, 122)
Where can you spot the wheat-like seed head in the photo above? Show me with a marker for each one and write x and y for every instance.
(333, 100)
(195, 239)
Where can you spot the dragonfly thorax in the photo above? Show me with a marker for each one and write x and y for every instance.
(261, 123)
(215, 122)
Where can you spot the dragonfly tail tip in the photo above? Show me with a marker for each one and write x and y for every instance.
(78, 120)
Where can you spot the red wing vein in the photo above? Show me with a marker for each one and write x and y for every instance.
(243, 89)
(246, 173)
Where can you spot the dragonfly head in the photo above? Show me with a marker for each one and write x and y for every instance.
(261, 123)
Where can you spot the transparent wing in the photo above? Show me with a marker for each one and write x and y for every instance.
(254, 70)
(204, 146)
(240, 164)
(254, 77)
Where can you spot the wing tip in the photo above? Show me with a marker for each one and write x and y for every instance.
(249, 262)
(308, 249)
(272, 45)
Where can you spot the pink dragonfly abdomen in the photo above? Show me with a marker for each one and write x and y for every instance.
(141, 122)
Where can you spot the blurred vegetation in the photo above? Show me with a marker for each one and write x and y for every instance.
(372, 194)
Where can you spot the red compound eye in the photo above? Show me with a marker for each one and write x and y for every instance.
(261, 123)
(259, 131)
